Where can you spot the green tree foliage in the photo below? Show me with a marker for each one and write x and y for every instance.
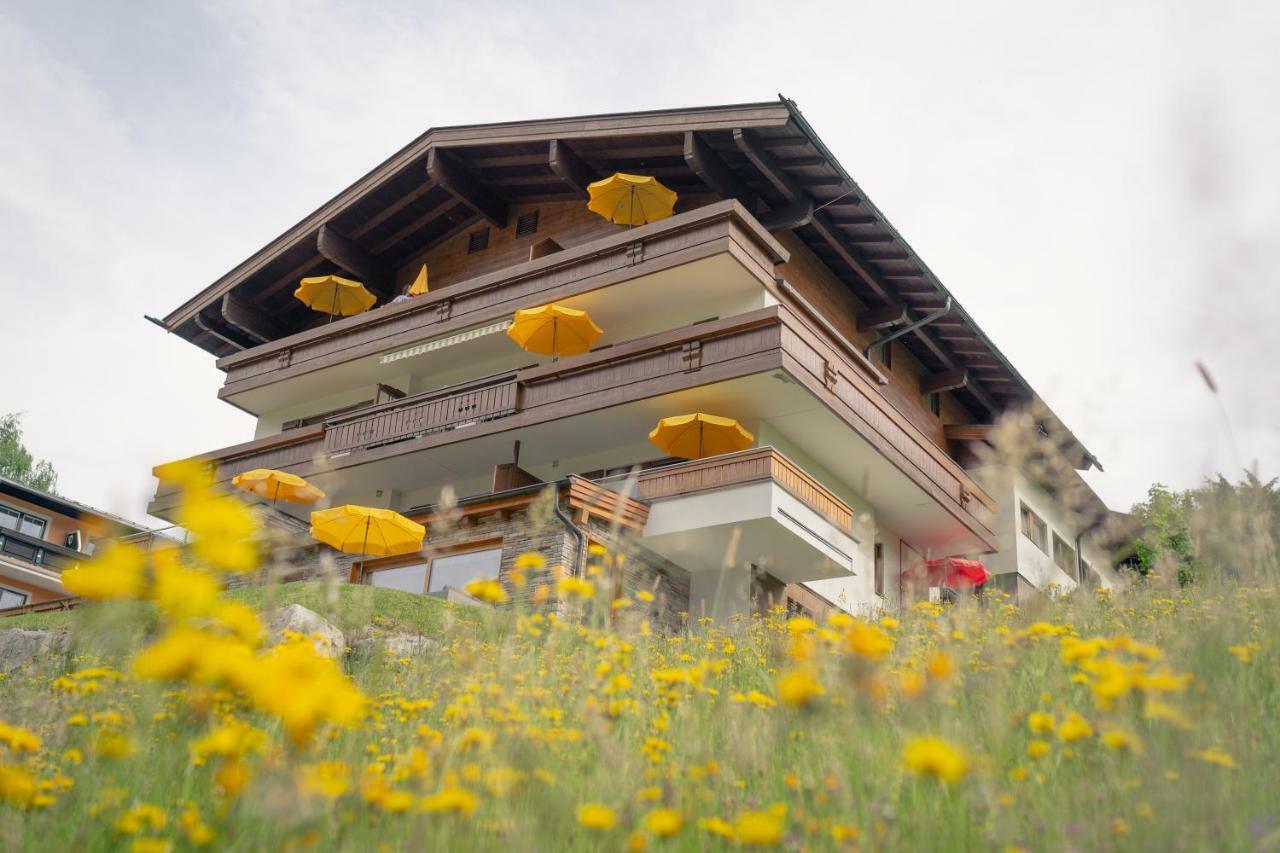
(16, 461)
(1166, 540)
(1218, 528)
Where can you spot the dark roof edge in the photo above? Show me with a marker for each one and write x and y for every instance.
(816, 141)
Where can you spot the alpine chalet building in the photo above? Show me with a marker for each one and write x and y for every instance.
(777, 295)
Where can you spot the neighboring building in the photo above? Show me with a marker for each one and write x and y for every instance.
(778, 295)
(41, 534)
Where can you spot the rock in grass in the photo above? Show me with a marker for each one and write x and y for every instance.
(294, 618)
(21, 647)
(397, 646)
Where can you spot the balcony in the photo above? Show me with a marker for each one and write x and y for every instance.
(36, 552)
(755, 506)
(770, 368)
(711, 261)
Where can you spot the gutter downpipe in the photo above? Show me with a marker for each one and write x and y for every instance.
(578, 533)
(909, 328)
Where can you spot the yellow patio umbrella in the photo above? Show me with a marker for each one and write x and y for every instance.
(630, 199)
(277, 486)
(334, 295)
(554, 330)
(419, 285)
(697, 435)
(366, 530)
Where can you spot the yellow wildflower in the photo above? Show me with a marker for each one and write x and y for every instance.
(933, 756)
(18, 739)
(1040, 722)
(488, 590)
(759, 828)
(1218, 757)
(115, 573)
(663, 822)
(798, 688)
(596, 816)
(450, 799)
(1074, 727)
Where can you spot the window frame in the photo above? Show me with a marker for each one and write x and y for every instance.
(1073, 570)
(877, 568)
(23, 515)
(1040, 525)
(26, 596)
(362, 572)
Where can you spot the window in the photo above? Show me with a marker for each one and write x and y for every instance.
(478, 241)
(933, 402)
(1034, 528)
(23, 522)
(11, 598)
(527, 224)
(456, 570)
(878, 569)
(795, 608)
(410, 578)
(1065, 556)
(884, 355)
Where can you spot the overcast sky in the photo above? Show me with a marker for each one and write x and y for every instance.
(1099, 185)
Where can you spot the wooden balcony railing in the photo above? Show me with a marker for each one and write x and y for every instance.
(757, 465)
(37, 552)
(423, 414)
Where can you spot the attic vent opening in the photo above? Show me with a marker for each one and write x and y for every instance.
(527, 224)
(478, 241)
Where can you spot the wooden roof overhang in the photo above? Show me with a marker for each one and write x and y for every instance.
(450, 179)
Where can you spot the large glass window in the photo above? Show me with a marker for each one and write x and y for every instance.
(411, 578)
(456, 570)
(23, 522)
(11, 598)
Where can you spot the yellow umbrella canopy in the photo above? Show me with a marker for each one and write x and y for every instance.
(554, 330)
(334, 295)
(366, 530)
(419, 285)
(697, 435)
(631, 199)
(277, 486)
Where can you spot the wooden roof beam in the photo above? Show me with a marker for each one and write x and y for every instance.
(351, 256)
(882, 318)
(248, 320)
(947, 380)
(450, 174)
(708, 166)
(788, 218)
(570, 167)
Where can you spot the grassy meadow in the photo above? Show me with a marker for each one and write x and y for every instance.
(1138, 719)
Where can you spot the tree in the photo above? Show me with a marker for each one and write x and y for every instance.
(1221, 530)
(1166, 539)
(16, 462)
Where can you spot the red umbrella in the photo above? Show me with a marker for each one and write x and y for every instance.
(956, 573)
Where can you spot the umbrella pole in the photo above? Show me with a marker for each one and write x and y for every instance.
(334, 306)
(555, 329)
